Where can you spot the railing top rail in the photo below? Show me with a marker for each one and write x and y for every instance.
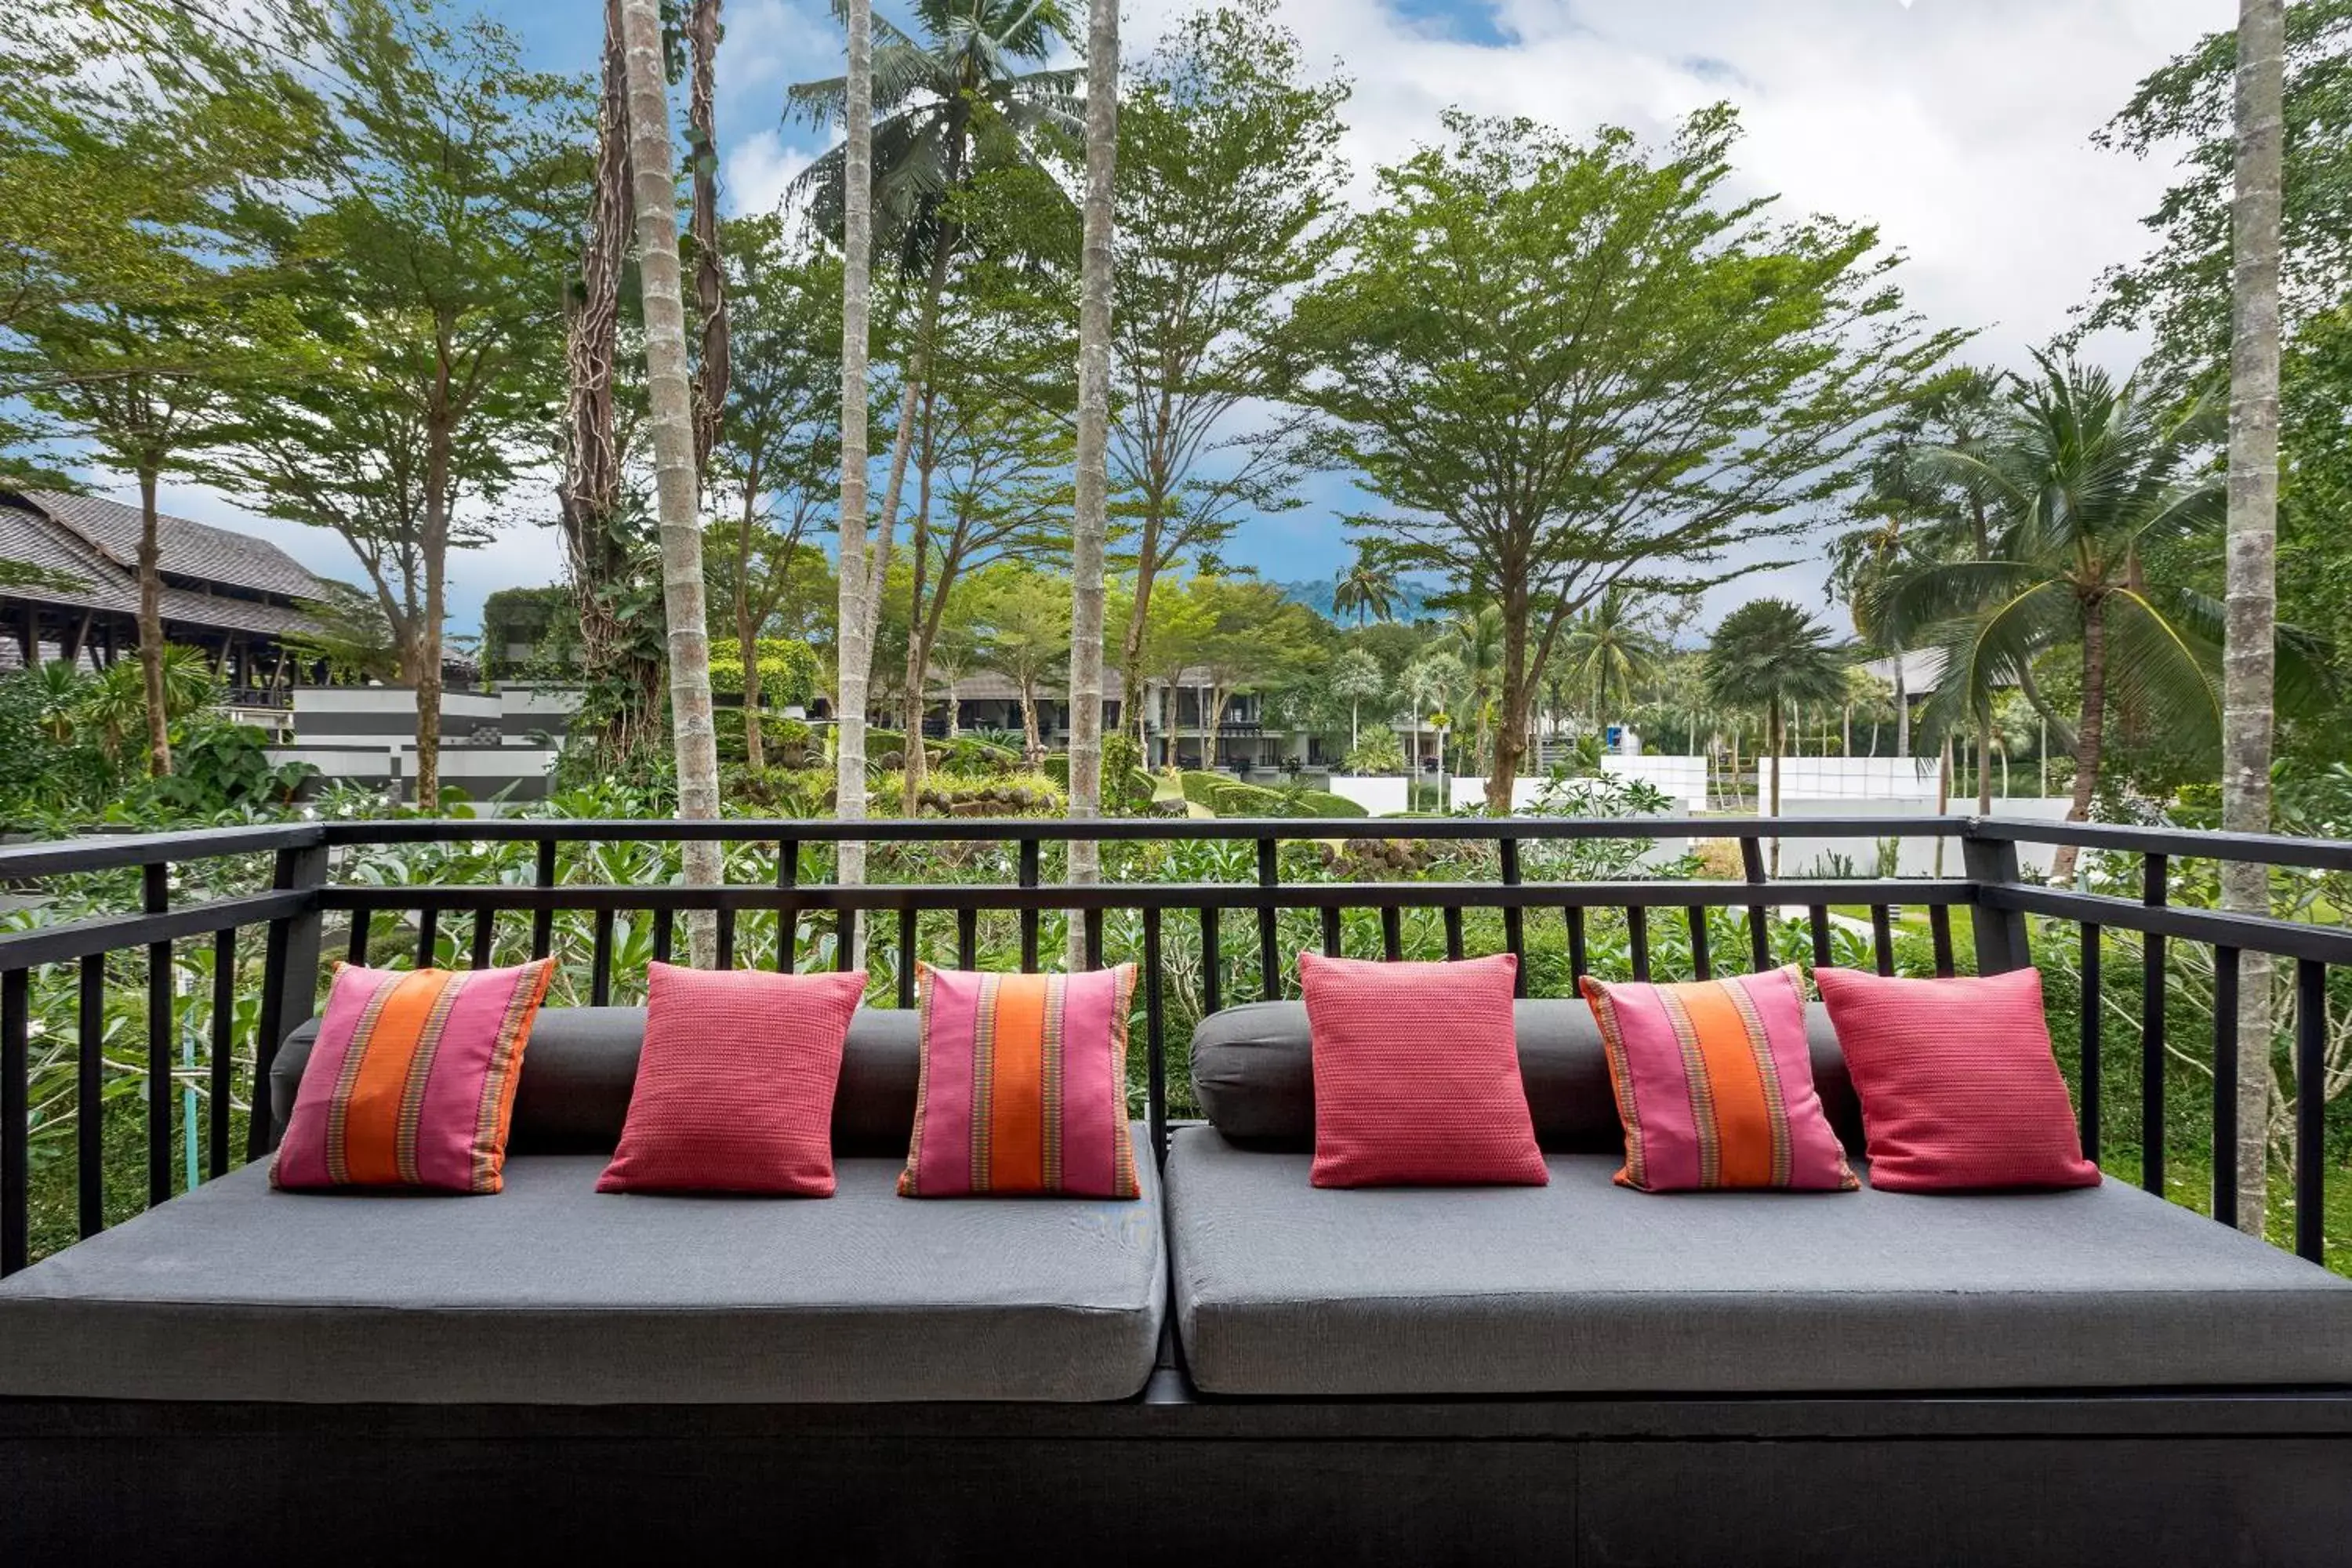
(2185, 843)
(112, 851)
(930, 829)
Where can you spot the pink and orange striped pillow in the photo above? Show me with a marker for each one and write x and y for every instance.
(1023, 1087)
(1715, 1086)
(412, 1082)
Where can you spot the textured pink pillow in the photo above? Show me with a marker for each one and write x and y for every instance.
(1959, 1086)
(1715, 1085)
(1417, 1075)
(734, 1090)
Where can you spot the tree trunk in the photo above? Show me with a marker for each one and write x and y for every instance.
(1089, 530)
(747, 629)
(1943, 792)
(1902, 709)
(151, 627)
(1032, 744)
(1510, 733)
(2089, 735)
(440, 421)
(671, 400)
(711, 374)
(1984, 769)
(922, 625)
(2249, 656)
(1774, 745)
(853, 634)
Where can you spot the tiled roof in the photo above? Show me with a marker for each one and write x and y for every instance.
(85, 577)
(190, 549)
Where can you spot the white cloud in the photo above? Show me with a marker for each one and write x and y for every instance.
(757, 172)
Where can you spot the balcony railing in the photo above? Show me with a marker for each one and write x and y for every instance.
(599, 895)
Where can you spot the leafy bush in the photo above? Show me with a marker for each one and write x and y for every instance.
(788, 671)
(1377, 753)
(219, 766)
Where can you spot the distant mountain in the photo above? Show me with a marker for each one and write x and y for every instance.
(1409, 598)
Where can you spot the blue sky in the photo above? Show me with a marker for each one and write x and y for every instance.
(1961, 126)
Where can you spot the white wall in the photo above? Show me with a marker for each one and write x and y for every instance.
(1850, 779)
(1682, 778)
(1381, 795)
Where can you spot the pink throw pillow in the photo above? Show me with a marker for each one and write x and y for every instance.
(735, 1085)
(1715, 1085)
(1960, 1088)
(1417, 1075)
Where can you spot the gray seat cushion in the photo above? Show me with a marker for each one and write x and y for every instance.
(554, 1293)
(1253, 1067)
(582, 1064)
(1282, 1289)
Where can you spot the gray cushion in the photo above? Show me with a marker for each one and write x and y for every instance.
(1583, 1287)
(554, 1293)
(1252, 1068)
(582, 1063)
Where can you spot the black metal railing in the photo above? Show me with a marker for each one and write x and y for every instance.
(314, 877)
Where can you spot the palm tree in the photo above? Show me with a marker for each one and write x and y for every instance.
(854, 633)
(1358, 677)
(1770, 655)
(1362, 589)
(671, 405)
(1475, 639)
(2086, 476)
(2248, 676)
(62, 687)
(1089, 528)
(1606, 652)
(1425, 683)
(936, 100)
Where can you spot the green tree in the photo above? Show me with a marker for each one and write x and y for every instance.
(1356, 679)
(1606, 653)
(1565, 365)
(2089, 478)
(1229, 185)
(779, 449)
(1770, 656)
(1362, 589)
(420, 271)
(1022, 618)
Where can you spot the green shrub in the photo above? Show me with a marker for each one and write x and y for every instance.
(788, 670)
(1323, 803)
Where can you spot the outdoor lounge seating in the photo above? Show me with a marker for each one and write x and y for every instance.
(1238, 1365)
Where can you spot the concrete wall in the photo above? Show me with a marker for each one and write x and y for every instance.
(1382, 795)
(482, 771)
(387, 715)
(527, 712)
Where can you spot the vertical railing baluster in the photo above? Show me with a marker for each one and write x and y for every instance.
(1331, 944)
(1029, 916)
(543, 917)
(428, 936)
(1637, 933)
(2094, 1061)
(355, 945)
(1515, 928)
(600, 963)
(1882, 937)
(1759, 940)
(726, 930)
(1391, 932)
(89, 1090)
(155, 887)
(845, 940)
(2310, 1110)
(1702, 961)
(1452, 916)
(664, 933)
(2225, 1084)
(907, 957)
(968, 939)
(1212, 960)
(1579, 959)
(2151, 1034)
(788, 917)
(223, 1058)
(1155, 1055)
(1092, 920)
(486, 931)
(1818, 917)
(289, 980)
(16, 1121)
(1939, 927)
(1269, 959)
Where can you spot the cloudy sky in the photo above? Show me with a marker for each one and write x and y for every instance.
(1962, 127)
